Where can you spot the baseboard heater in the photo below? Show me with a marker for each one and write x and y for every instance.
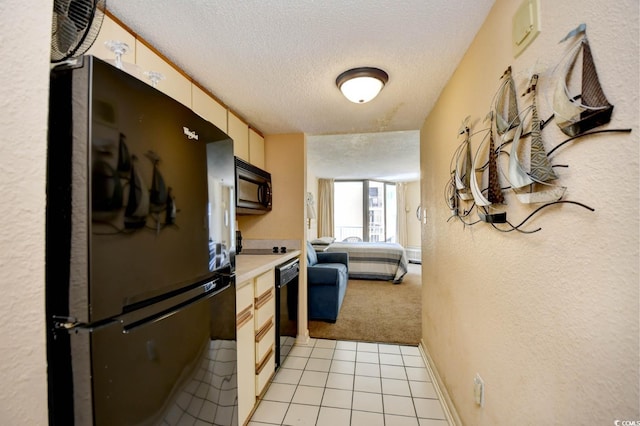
(414, 254)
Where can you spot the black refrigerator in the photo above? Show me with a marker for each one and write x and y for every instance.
(140, 255)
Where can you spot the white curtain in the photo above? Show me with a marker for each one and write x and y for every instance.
(325, 207)
(401, 205)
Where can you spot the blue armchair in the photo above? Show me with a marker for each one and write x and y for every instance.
(327, 276)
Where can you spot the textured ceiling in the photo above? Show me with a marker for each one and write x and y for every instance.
(390, 156)
(276, 62)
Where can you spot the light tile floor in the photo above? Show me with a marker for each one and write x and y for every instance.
(329, 382)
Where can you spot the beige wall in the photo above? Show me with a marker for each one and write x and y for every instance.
(285, 158)
(25, 34)
(549, 320)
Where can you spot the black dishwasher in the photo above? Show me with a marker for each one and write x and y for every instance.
(286, 303)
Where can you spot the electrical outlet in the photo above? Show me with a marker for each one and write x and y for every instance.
(478, 390)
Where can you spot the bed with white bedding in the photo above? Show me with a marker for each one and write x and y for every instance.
(373, 261)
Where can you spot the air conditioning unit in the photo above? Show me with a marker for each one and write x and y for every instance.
(414, 254)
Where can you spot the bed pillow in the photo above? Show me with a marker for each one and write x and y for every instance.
(323, 240)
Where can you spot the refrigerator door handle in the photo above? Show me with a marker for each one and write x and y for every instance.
(71, 324)
(210, 289)
(131, 320)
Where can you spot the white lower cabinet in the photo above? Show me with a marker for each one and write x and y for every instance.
(265, 311)
(255, 323)
(245, 333)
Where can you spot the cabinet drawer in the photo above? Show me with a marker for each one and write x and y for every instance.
(265, 307)
(264, 282)
(265, 339)
(244, 297)
(264, 370)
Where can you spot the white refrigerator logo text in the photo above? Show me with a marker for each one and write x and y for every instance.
(190, 133)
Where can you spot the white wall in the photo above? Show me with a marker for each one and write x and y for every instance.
(24, 49)
(413, 224)
(549, 320)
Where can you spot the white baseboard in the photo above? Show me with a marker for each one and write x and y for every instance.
(447, 404)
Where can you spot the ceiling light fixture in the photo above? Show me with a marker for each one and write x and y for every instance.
(361, 85)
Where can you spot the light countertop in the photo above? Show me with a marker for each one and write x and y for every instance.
(249, 266)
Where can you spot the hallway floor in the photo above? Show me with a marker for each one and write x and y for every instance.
(329, 382)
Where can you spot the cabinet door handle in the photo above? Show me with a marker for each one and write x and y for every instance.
(263, 362)
(244, 316)
(264, 330)
(261, 300)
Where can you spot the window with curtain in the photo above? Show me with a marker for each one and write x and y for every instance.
(365, 210)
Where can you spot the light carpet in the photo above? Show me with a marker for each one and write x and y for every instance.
(378, 311)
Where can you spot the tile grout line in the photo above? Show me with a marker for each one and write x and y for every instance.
(379, 364)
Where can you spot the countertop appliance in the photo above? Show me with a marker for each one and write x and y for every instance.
(286, 280)
(254, 193)
(140, 263)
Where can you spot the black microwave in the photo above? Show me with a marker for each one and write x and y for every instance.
(253, 189)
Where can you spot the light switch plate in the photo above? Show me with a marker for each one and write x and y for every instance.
(526, 26)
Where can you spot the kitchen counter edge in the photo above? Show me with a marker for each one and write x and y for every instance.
(250, 266)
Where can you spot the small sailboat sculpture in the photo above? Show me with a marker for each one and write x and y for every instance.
(506, 105)
(463, 164)
(487, 205)
(577, 114)
(534, 185)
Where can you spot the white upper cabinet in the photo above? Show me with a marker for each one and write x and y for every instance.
(208, 108)
(239, 132)
(256, 149)
(139, 60)
(173, 83)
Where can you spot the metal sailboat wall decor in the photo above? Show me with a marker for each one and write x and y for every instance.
(579, 107)
(532, 181)
(579, 113)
